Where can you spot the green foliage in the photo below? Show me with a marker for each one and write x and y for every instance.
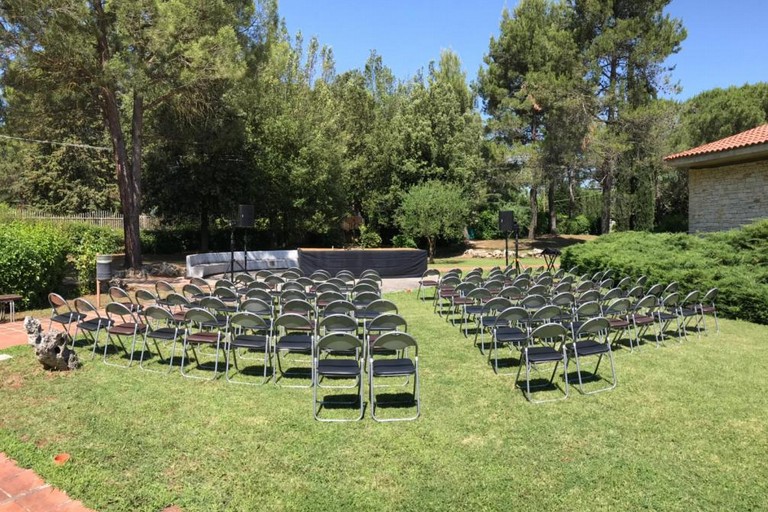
(432, 210)
(735, 262)
(579, 225)
(33, 259)
(405, 241)
(86, 242)
(369, 239)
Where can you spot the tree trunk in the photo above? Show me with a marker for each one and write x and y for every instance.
(431, 242)
(552, 209)
(534, 196)
(131, 217)
(605, 217)
(571, 193)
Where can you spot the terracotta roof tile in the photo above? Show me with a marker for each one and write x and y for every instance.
(751, 137)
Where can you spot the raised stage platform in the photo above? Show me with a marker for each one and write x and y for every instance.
(387, 262)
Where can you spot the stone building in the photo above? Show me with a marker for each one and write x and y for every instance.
(727, 181)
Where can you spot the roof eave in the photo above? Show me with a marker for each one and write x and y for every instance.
(731, 156)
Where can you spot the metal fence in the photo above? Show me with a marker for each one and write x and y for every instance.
(97, 218)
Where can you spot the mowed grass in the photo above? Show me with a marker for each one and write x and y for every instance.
(684, 430)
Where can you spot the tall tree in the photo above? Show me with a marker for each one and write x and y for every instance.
(131, 57)
(625, 44)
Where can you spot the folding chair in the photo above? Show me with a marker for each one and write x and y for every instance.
(510, 329)
(487, 318)
(145, 298)
(592, 340)
(294, 334)
(403, 364)
(201, 283)
(470, 310)
(162, 289)
(617, 313)
(382, 324)
(337, 323)
(250, 333)
(124, 324)
(161, 326)
(547, 345)
(338, 307)
(689, 313)
(642, 317)
(117, 294)
(349, 366)
(62, 313)
(707, 306)
(429, 279)
(666, 313)
(202, 329)
(90, 327)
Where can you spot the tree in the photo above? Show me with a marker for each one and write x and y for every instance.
(433, 209)
(130, 57)
(624, 44)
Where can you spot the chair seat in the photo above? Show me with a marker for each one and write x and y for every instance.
(203, 337)
(706, 309)
(543, 354)
(165, 333)
(295, 342)
(473, 310)
(643, 320)
(663, 316)
(250, 341)
(510, 335)
(488, 321)
(462, 301)
(338, 368)
(126, 329)
(686, 312)
(68, 317)
(618, 323)
(587, 348)
(393, 367)
(94, 324)
(427, 282)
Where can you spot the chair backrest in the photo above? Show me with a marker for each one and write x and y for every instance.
(263, 273)
(563, 300)
(290, 275)
(511, 316)
(450, 281)
(289, 295)
(709, 297)
(174, 299)
(256, 293)
(549, 332)
(431, 273)
(382, 306)
(342, 280)
(199, 316)
(193, 292)
(641, 281)
(617, 307)
(293, 286)
(117, 294)
(163, 288)
(388, 322)
(671, 288)
(624, 283)
(337, 323)
(594, 327)
(479, 295)
(364, 287)
(606, 284)
(319, 275)
(395, 341)
(305, 282)
(293, 322)
(248, 320)
(370, 273)
(120, 310)
(200, 283)
(213, 304)
(584, 286)
(613, 293)
(298, 306)
(588, 310)
(244, 279)
(157, 315)
(475, 279)
(547, 312)
(647, 303)
(258, 285)
(227, 294)
(274, 282)
(538, 289)
(224, 283)
(655, 290)
(589, 296)
(339, 307)
(559, 274)
(512, 293)
(329, 296)
(670, 301)
(327, 287)
(691, 299)
(544, 280)
(636, 292)
(561, 287)
(145, 297)
(346, 275)
(370, 281)
(533, 301)
(257, 307)
(495, 305)
(341, 342)
(84, 307)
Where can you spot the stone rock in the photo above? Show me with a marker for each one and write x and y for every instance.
(50, 347)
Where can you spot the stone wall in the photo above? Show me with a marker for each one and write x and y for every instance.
(727, 197)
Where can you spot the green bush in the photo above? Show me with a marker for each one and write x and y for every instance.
(369, 239)
(735, 262)
(579, 225)
(33, 260)
(87, 241)
(403, 241)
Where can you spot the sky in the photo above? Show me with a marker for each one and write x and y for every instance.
(725, 44)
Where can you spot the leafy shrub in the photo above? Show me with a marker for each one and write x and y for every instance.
(87, 241)
(369, 239)
(579, 225)
(735, 262)
(403, 241)
(33, 259)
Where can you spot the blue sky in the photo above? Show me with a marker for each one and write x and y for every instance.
(725, 44)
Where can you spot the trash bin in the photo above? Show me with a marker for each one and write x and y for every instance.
(103, 267)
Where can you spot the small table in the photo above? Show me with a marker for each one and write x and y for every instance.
(9, 299)
(550, 256)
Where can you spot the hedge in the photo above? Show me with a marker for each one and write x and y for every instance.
(735, 262)
(33, 260)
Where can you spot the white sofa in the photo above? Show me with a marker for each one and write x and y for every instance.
(206, 264)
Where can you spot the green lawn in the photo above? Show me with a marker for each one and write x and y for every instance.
(684, 430)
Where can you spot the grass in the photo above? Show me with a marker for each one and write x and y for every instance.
(684, 430)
